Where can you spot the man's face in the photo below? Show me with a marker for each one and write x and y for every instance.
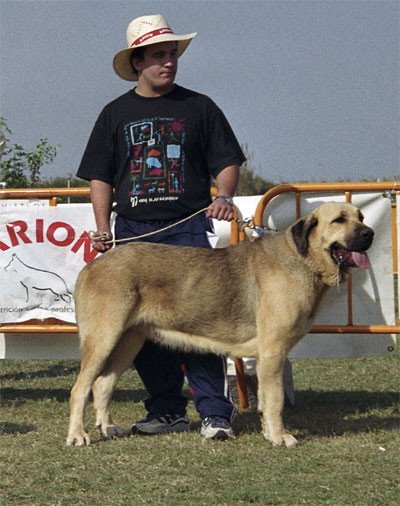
(159, 66)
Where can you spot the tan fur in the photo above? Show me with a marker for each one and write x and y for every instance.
(250, 300)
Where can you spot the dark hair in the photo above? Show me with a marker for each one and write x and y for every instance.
(138, 54)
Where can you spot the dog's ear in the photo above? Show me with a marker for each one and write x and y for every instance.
(301, 231)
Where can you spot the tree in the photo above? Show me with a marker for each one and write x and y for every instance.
(20, 168)
(251, 183)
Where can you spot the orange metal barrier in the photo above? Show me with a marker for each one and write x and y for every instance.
(238, 235)
(347, 189)
(44, 193)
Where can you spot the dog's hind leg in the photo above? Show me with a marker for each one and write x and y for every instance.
(120, 359)
(94, 357)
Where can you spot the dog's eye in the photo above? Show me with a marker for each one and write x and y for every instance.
(341, 219)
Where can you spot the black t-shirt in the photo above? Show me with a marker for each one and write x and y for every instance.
(159, 153)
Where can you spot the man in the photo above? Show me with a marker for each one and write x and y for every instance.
(157, 146)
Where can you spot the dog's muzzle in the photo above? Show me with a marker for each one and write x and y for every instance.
(354, 255)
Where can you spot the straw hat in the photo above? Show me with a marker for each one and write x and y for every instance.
(145, 31)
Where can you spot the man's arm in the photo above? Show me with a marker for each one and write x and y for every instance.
(227, 181)
(101, 195)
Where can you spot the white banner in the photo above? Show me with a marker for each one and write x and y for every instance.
(42, 250)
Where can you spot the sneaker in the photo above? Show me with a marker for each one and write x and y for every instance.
(216, 427)
(161, 424)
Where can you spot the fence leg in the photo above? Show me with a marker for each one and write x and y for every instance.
(241, 384)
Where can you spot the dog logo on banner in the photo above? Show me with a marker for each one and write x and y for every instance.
(39, 281)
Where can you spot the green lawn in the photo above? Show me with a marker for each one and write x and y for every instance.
(346, 420)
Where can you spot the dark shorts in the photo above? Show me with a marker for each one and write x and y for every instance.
(192, 232)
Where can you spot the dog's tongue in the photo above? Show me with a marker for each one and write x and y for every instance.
(360, 258)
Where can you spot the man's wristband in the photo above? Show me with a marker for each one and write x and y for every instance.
(225, 197)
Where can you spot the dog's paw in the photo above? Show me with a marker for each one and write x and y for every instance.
(114, 432)
(289, 441)
(282, 440)
(78, 440)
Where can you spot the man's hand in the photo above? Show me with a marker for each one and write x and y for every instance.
(220, 209)
(227, 181)
(98, 238)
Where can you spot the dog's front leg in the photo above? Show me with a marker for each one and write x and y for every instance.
(271, 398)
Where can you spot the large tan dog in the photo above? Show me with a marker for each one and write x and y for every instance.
(250, 300)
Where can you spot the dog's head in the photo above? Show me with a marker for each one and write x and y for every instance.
(332, 239)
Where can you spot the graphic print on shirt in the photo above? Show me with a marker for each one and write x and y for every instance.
(156, 159)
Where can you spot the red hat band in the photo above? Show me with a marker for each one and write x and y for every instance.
(150, 35)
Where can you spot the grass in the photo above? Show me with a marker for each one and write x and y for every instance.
(346, 419)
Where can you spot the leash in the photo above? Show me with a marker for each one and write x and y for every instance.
(105, 237)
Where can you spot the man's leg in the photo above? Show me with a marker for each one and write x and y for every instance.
(208, 381)
(206, 373)
(159, 368)
(162, 380)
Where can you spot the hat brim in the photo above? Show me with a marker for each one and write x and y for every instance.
(122, 60)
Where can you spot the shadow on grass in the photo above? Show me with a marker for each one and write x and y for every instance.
(22, 395)
(7, 428)
(332, 413)
(53, 371)
(316, 413)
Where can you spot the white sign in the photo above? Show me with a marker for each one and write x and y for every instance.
(42, 251)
